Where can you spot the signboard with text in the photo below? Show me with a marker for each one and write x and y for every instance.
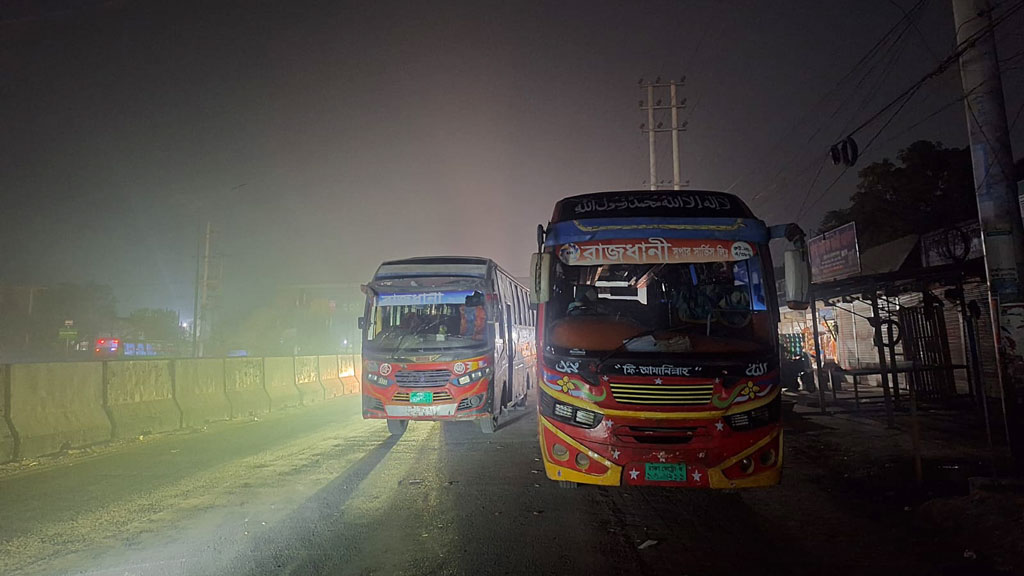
(952, 245)
(834, 255)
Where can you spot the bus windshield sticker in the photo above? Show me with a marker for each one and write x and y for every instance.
(757, 369)
(654, 251)
(663, 370)
(568, 366)
(421, 298)
(686, 201)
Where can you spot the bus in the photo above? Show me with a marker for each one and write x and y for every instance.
(445, 338)
(658, 330)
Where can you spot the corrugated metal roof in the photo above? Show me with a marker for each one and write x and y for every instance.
(888, 257)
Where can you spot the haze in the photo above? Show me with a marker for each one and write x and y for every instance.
(320, 138)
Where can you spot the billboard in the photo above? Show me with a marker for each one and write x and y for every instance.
(952, 245)
(834, 255)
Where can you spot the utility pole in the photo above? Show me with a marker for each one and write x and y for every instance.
(201, 303)
(650, 136)
(998, 207)
(652, 129)
(195, 297)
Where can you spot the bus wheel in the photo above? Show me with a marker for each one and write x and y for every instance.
(567, 484)
(397, 427)
(488, 424)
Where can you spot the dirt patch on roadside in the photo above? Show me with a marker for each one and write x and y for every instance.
(989, 526)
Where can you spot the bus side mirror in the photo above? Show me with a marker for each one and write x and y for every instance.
(362, 323)
(540, 278)
(798, 279)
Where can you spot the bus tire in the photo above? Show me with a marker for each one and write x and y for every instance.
(397, 427)
(487, 424)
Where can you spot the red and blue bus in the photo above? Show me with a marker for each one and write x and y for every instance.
(445, 338)
(658, 326)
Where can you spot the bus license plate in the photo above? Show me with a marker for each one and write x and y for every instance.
(669, 472)
(421, 397)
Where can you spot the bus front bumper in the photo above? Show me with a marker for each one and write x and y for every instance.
(606, 465)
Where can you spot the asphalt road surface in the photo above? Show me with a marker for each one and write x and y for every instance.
(318, 490)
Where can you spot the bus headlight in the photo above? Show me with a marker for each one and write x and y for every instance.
(474, 376)
(770, 413)
(568, 413)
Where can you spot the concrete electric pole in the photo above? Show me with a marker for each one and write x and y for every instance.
(652, 129)
(998, 207)
(200, 306)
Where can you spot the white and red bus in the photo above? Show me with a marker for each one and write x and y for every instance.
(445, 338)
(658, 322)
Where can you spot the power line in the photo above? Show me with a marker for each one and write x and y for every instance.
(920, 35)
(821, 166)
(831, 92)
(962, 47)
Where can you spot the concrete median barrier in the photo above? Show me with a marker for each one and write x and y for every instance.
(279, 382)
(243, 383)
(347, 369)
(139, 397)
(57, 406)
(7, 443)
(199, 390)
(330, 377)
(307, 379)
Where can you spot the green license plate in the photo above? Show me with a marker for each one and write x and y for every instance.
(421, 398)
(659, 472)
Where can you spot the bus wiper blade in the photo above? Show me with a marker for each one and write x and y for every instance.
(635, 337)
(398, 346)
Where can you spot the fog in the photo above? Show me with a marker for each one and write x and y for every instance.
(320, 138)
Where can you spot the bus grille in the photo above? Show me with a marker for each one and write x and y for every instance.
(422, 378)
(662, 394)
(439, 396)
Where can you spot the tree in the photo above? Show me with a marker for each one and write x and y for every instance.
(91, 307)
(155, 325)
(931, 188)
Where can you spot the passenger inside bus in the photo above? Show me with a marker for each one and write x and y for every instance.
(709, 307)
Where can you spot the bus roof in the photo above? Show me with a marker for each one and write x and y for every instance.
(438, 266)
(651, 203)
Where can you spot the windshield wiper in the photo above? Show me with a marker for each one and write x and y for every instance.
(417, 332)
(398, 346)
(635, 337)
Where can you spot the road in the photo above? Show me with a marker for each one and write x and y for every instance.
(318, 490)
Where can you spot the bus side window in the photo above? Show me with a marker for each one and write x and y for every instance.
(517, 296)
(524, 307)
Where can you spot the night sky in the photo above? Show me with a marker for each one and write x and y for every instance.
(321, 138)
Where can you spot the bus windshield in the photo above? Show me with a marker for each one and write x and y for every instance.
(683, 308)
(402, 322)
